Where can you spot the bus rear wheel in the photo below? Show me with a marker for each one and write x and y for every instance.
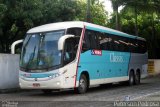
(137, 78)
(82, 88)
(131, 78)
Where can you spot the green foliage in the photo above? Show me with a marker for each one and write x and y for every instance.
(98, 14)
(142, 17)
(17, 16)
(147, 23)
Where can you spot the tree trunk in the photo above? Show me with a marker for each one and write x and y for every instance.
(136, 27)
(153, 37)
(117, 18)
(88, 13)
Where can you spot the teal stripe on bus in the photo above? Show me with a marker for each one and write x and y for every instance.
(104, 66)
(37, 75)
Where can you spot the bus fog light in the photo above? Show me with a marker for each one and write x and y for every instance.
(58, 83)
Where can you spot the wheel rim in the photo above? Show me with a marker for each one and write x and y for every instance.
(82, 84)
(137, 77)
(131, 79)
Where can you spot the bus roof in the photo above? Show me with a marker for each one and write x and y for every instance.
(79, 24)
(56, 26)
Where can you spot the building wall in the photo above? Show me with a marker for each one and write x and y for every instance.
(157, 66)
(9, 67)
(154, 66)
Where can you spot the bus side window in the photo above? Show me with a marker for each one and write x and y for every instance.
(90, 41)
(116, 43)
(86, 42)
(104, 41)
(66, 52)
(74, 31)
(123, 43)
(132, 46)
(93, 40)
(70, 49)
(112, 43)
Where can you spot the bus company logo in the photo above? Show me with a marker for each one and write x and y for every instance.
(116, 58)
(27, 75)
(96, 52)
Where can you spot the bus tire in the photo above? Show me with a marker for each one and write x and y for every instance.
(137, 78)
(46, 91)
(131, 78)
(82, 87)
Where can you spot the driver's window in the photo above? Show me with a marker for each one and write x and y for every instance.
(70, 49)
(67, 51)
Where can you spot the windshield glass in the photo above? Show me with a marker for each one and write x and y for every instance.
(40, 50)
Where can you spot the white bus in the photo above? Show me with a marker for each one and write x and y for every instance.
(78, 55)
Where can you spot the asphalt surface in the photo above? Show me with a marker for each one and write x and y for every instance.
(102, 96)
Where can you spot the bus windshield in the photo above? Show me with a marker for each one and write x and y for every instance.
(40, 50)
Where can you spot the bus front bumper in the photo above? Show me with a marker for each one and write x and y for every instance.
(33, 84)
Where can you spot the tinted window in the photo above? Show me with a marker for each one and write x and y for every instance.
(70, 50)
(142, 48)
(124, 44)
(74, 31)
(105, 41)
(90, 40)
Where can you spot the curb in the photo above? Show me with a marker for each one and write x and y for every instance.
(12, 90)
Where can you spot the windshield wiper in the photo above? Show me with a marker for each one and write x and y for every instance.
(30, 59)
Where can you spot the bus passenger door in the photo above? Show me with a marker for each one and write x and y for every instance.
(69, 61)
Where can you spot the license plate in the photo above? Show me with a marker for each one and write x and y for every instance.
(36, 84)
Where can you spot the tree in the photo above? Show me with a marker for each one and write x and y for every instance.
(115, 5)
(17, 16)
(97, 12)
(151, 7)
(141, 5)
(148, 27)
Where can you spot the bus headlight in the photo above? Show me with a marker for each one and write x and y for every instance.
(51, 77)
(56, 75)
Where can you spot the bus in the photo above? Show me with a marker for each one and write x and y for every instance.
(78, 55)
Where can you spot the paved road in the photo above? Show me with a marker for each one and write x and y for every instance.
(95, 97)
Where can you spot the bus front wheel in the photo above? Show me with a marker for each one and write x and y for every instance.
(82, 88)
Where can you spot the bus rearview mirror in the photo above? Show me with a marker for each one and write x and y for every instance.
(61, 41)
